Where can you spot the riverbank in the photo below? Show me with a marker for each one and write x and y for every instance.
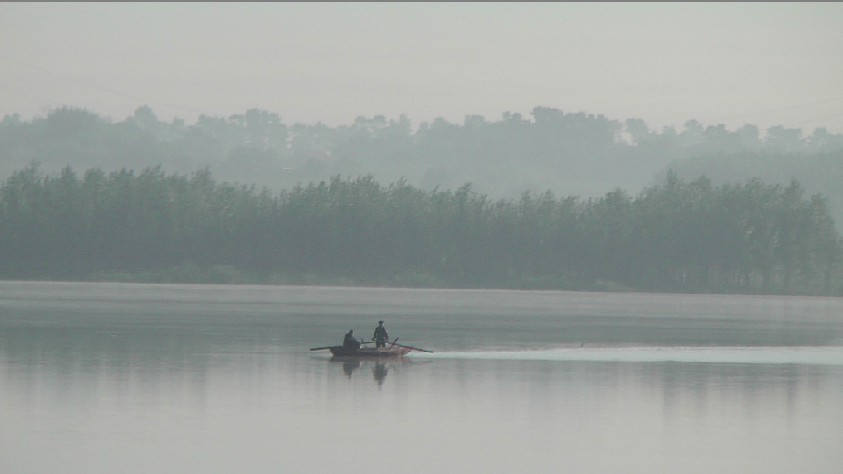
(229, 275)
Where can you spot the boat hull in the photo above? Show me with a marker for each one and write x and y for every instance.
(370, 352)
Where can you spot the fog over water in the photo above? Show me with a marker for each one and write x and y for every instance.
(192, 378)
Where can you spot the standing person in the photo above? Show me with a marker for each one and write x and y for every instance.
(380, 335)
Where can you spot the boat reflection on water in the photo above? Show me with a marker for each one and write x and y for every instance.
(379, 371)
(349, 366)
(380, 368)
(381, 359)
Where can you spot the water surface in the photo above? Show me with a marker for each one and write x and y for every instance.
(104, 378)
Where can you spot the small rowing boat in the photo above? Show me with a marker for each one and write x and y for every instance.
(391, 350)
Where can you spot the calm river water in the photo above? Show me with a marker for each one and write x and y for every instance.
(122, 378)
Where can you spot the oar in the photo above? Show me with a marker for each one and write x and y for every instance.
(393, 343)
(320, 348)
(413, 348)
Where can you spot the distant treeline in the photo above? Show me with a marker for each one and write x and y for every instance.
(570, 153)
(675, 236)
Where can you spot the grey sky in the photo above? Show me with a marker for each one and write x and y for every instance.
(761, 63)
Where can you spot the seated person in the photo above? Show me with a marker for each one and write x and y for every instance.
(349, 342)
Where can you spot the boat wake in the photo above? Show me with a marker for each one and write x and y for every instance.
(804, 355)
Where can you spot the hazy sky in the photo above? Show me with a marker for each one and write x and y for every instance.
(760, 63)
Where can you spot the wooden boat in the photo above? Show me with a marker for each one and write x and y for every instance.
(392, 349)
(389, 351)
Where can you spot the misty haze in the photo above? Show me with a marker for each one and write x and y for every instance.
(553, 201)
(456, 237)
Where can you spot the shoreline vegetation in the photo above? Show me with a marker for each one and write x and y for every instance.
(227, 275)
(675, 237)
(735, 212)
(580, 153)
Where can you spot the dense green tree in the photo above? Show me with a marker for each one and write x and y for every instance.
(571, 153)
(756, 222)
(675, 236)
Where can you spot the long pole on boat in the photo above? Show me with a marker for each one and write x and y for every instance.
(413, 348)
